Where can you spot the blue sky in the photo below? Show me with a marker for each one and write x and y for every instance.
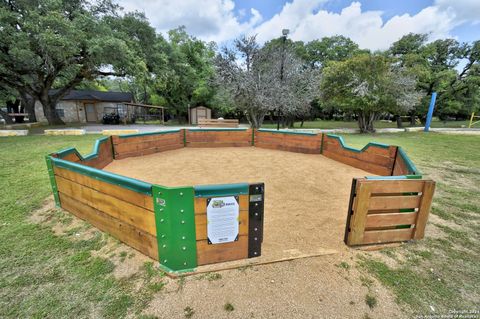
(373, 24)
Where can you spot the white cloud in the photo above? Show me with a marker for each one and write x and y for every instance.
(210, 20)
(367, 28)
(463, 10)
(215, 20)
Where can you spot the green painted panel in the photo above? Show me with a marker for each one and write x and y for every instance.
(175, 222)
(127, 182)
(221, 190)
(53, 182)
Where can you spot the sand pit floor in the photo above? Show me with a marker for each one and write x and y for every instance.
(306, 195)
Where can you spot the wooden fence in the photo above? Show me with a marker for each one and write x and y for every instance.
(218, 137)
(374, 157)
(388, 210)
(147, 143)
(298, 142)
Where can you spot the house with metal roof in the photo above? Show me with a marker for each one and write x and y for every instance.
(88, 106)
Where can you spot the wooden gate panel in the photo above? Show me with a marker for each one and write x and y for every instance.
(384, 211)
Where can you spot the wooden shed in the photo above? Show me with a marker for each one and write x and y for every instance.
(199, 112)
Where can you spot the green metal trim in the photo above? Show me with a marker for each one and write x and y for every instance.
(111, 178)
(67, 151)
(53, 182)
(286, 132)
(411, 167)
(184, 137)
(253, 136)
(215, 129)
(175, 223)
(371, 144)
(148, 133)
(92, 155)
(221, 190)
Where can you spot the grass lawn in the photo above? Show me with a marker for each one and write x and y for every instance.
(320, 124)
(43, 274)
(442, 271)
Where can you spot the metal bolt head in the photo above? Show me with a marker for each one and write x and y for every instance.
(181, 194)
(256, 238)
(183, 222)
(185, 263)
(255, 253)
(183, 237)
(255, 229)
(256, 214)
(184, 248)
(163, 235)
(181, 210)
(164, 261)
(161, 220)
(164, 246)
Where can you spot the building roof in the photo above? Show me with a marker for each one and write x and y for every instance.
(91, 95)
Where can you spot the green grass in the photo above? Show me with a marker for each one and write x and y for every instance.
(439, 272)
(45, 275)
(321, 124)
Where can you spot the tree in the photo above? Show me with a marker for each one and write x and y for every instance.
(366, 85)
(254, 77)
(60, 43)
(435, 66)
(188, 73)
(337, 48)
(239, 71)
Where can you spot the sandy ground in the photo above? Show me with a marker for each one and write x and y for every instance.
(306, 196)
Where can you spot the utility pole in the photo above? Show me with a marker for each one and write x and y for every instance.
(282, 63)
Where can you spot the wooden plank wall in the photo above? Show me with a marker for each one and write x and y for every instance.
(401, 167)
(146, 144)
(118, 211)
(103, 158)
(384, 211)
(209, 254)
(374, 159)
(217, 123)
(218, 138)
(298, 143)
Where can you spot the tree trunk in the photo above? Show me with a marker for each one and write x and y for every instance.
(365, 122)
(49, 109)
(399, 121)
(6, 117)
(29, 103)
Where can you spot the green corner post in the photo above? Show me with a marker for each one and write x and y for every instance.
(51, 175)
(175, 222)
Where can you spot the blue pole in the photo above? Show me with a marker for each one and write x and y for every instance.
(430, 112)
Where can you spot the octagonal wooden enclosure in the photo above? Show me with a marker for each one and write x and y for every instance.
(169, 223)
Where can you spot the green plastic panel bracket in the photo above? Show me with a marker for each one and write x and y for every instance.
(51, 175)
(175, 222)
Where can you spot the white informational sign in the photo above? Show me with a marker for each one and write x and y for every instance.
(222, 219)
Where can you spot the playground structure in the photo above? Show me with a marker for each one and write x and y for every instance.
(170, 225)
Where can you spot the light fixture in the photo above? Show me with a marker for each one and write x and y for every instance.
(285, 32)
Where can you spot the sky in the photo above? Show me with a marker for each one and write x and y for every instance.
(373, 24)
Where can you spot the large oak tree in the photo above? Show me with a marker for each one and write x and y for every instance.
(59, 43)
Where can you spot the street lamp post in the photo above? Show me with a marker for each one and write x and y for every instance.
(282, 62)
